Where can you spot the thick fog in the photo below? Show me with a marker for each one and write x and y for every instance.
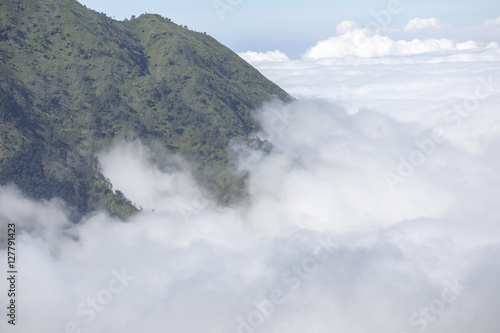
(376, 210)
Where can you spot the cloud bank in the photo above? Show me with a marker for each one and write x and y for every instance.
(352, 40)
(420, 36)
(375, 211)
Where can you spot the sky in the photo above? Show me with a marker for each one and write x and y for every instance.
(292, 26)
(375, 211)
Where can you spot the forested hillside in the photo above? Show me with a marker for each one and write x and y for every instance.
(72, 81)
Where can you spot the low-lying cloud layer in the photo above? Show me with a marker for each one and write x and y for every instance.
(376, 211)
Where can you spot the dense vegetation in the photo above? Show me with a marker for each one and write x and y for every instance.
(72, 81)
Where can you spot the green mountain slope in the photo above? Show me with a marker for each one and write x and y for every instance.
(72, 81)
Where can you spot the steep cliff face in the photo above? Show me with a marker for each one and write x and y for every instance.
(72, 81)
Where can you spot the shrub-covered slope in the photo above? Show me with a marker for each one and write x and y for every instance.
(72, 81)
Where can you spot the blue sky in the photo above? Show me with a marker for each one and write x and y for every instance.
(293, 26)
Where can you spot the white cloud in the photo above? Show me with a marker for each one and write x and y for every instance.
(365, 44)
(346, 26)
(352, 40)
(423, 23)
(152, 188)
(273, 56)
(493, 22)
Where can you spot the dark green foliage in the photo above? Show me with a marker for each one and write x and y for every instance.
(72, 81)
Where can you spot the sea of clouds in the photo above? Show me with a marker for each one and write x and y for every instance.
(377, 210)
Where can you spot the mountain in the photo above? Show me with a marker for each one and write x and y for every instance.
(73, 81)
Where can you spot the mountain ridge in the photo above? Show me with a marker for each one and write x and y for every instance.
(72, 81)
